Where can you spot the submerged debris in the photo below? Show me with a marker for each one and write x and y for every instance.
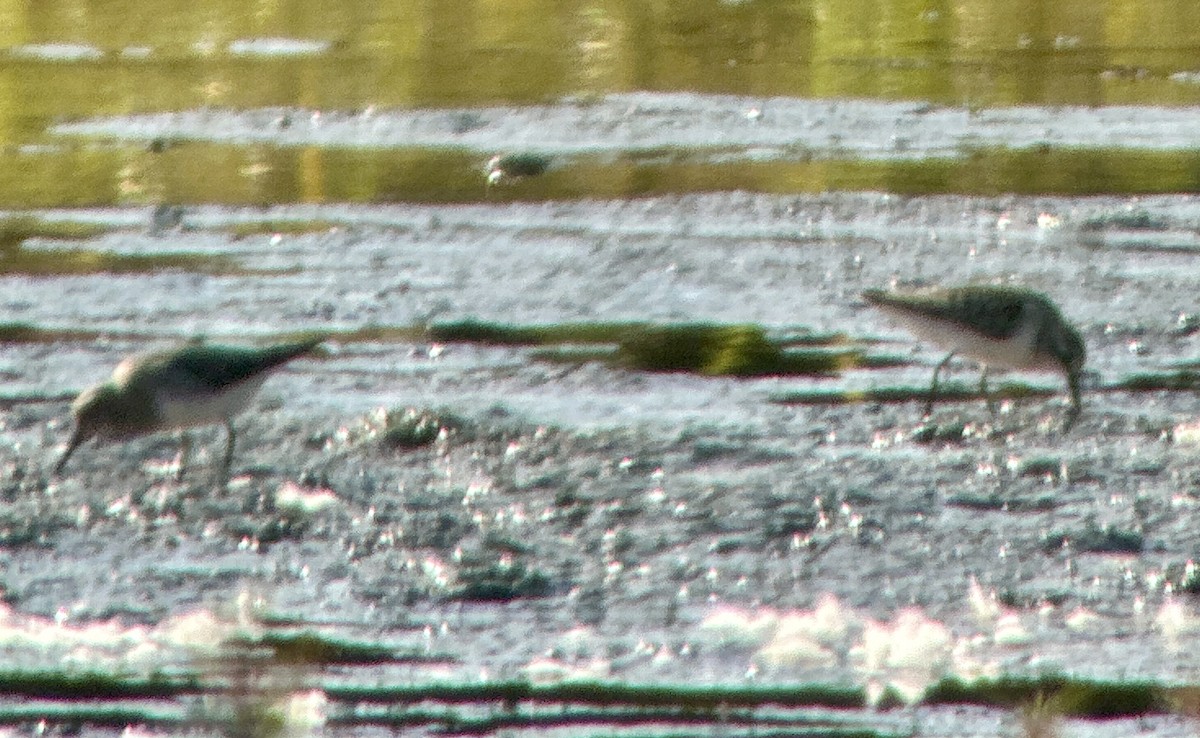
(402, 429)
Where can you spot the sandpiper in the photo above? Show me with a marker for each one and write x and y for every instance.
(195, 384)
(1005, 327)
(511, 167)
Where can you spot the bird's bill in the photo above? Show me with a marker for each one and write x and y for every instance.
(77, 438)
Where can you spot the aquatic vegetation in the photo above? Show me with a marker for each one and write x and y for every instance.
(1095, 538)
(1006, 503)
(1071, 696)
(1052, 467)
(710, 349)
(16, 229)
(1182, 379)
(704, 349)
(955, 431)
(312, 647)
(499, 579)
(247, 692)
(381, 334)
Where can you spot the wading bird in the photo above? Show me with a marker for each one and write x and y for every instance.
(1004, 327)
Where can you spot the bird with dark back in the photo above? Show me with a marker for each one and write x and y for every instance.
(193, 385)
(997, 326)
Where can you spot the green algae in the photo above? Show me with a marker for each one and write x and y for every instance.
(1075, 696)
(1070, 696)
(312, 648)
(22, 332)
(703, 348)
(954, 431)
(1137, 219)
(1184, 578)
(1049, 466)
(709, 349)
(18, 528)
(721, 350)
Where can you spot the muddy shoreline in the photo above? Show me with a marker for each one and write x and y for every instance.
(645, 504)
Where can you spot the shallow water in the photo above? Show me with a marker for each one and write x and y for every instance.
(62, 62)
(742, 162)
(650, 501)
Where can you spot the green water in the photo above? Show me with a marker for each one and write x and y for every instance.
(140, 57)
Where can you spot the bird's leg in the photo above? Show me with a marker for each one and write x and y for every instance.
(185, 450)
(230, 438)
(983, 390)
(1076, 402)
(934, 384)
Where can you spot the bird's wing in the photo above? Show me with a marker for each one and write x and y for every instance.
(994, 313)
(221, 366)
(200, 368)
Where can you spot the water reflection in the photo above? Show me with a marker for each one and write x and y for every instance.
(166, 55)
(136, 56)
(261, 174)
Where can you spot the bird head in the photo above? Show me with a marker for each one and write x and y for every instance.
(98, 412)
(1069, 348)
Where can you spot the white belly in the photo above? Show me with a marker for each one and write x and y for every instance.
(205, 408)
(1014, 352)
